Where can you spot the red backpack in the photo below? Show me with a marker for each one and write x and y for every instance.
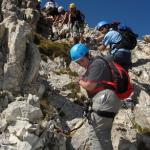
(120, 82)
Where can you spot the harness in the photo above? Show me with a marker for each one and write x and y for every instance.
(88, 110)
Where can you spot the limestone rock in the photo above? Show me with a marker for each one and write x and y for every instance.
(33, 140)
(142, 118)
(33, 100)
(19, 128)
(24, 146)
(59, 81)
(74, 67)
(147, 38)
(33, 64)
(22, 109)
(32, 17)
(144, 99)
(80, 138)
(13, 69)
(3, 125)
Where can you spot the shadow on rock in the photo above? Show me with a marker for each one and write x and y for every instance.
(140, 62)
(125, 144)
(143, 141)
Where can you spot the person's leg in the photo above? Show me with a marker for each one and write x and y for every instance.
(81, 32)
(100, 133)
(123, 59)
(100, 129)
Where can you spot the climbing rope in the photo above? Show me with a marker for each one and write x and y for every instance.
(54, 128)
(69, 133)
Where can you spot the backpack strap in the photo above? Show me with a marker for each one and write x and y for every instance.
(105, 84)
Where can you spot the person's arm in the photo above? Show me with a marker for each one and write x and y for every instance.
(99, 38)
(93, 75)
(89, 86)
(102, 47)
(65, 18)
(56, 19)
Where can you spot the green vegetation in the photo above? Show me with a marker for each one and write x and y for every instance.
(52, 49)
(66, 71)
(75, 92)
(48, 110)
(74, 89)
(71, 86)
(141, 130)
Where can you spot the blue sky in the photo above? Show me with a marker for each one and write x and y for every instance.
(134, 13)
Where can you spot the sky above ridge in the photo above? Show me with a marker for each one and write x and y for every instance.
(134, 13)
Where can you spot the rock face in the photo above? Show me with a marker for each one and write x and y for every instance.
(30, 122)
(20, 58)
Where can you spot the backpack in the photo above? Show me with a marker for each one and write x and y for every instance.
(128, 41)
(120, 81)
(78, 17)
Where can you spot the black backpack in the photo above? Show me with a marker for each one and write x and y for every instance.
(128, 41)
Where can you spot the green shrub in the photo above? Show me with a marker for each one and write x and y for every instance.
(52, 49)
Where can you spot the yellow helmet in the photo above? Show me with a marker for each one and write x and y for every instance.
(72, 5)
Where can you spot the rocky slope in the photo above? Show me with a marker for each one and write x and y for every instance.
(40, 106)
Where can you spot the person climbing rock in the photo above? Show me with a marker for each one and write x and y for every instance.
(105, 102)
(76, 23)
(119, 45)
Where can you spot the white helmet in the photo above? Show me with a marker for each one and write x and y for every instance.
(49, 5)
(60, 9)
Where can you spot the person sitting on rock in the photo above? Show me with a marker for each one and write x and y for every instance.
(105, 103)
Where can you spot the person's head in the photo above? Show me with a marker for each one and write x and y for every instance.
(103, 26)
(80, 54)
(50, 6)
(60, 9)
(114, 25)
(72, 7)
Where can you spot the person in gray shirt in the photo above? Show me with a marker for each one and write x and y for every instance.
(105, 103)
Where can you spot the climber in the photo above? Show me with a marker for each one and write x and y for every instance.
(76, 22)
(50, 3)
(120, 53)
(105, 103)
(61, 22)
(38, 5)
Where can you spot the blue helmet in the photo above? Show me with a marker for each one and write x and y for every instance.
(124, 27)
(78, 51)
(101, 24)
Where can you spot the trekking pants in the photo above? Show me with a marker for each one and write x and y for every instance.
(100, 128)
(122, 58)
(77, 29)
